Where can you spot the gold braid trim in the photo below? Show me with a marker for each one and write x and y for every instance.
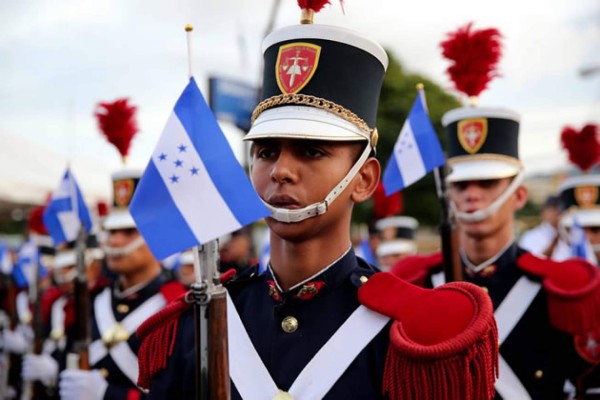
(317, 102)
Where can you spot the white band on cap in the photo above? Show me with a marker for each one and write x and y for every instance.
(125, 250)
(482, 214)
(313, 210)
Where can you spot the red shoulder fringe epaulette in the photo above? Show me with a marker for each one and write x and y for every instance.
(443, 341)
(573, 288)
(158, 332)
(415, 269)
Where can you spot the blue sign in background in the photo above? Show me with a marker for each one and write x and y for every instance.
(233, 100)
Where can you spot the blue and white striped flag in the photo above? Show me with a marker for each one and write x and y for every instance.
(416, 152)
(67, 211)
(580, 245)
(193, 189)
(28, 266)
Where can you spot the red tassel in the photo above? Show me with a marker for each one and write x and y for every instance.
(116, 122)
(576, 314)
(474, 55)
(573, 288)
(157, 335)
(443, 343)
(583, 147)
(468, 374)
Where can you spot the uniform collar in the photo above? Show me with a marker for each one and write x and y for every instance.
(488, 267)
(326, 279)
(142, 290)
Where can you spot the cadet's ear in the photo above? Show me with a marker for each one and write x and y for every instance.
(366, 180)
(521, 195)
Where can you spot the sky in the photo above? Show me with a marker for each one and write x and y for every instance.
(59, 58)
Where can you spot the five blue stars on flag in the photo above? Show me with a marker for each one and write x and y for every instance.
(178, 163)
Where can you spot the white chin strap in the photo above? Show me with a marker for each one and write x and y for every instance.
(313, 210)
(480, 215)
(125, 250)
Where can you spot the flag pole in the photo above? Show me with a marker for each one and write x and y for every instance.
(448, 237)
(199, 288)
(210, 311)
(188, 29)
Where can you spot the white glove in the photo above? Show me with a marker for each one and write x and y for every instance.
(40, 368)
(15, 342)
(26, 331)
(76, 384)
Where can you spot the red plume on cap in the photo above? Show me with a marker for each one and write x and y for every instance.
(117, 123)
(386, 206)
(35, 223)
(474, 55)
(310, 7)
(315, 5)
(583, 146)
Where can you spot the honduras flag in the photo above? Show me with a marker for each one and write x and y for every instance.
(580, 246)
(416, 152)
(28, 266)
(193, 189)
(66, 212)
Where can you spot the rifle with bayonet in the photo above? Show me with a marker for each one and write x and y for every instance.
(448, 233)
(210, 317)
(78, 356)
(35, 389)
(11, 371)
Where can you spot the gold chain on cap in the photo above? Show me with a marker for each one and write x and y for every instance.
(317, 102)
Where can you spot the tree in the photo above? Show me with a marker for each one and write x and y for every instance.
(397, 96)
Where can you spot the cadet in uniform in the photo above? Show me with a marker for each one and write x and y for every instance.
(580, 201)
(141, 289)
(58, 312)
(316, 324)
(397, 240)
(539, 304)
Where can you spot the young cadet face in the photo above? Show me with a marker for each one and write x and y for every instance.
(593, 235)
(295, 173)
(135, 260)
(470, 196)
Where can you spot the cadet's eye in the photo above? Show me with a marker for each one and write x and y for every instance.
(264, 152)
(488, 183)
(314, 152)
(459, 186)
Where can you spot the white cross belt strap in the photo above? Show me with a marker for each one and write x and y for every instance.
(121, 353)
(507, 315)
(57, 315)
(318, 376)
